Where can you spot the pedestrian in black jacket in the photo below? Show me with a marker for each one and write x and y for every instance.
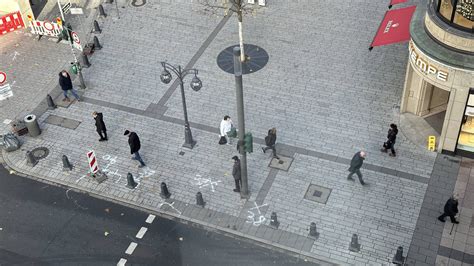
(66, 85)
(236, 174)
(391, 138)
(100, 125)
(450, 209)
(356, 164)
(134, 143)
(270, 142)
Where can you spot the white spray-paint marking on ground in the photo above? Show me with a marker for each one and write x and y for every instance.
(141, 232)
(15, 53)
(150, 218)
(131, 248)
(260, 218)
(204, 182)
(122, 262)
(80, 178)
(110, 162)
(171, 205)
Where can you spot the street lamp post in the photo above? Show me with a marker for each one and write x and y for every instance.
(240, 115)
(196, 85)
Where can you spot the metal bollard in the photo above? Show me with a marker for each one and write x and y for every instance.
(96, 27)
(85, 61)
(31, 159)
(130, 181)
(354, 245)
(101, 11)
(97, 45)
(312, 231)
(51, 104)
(200, 200)
(398, 259)
(165, 194)
(66, 164)
(274, 220)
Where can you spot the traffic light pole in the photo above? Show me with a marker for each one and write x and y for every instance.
(79, 68)
(244, 191)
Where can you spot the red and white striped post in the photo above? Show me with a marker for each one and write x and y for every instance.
(93, 166)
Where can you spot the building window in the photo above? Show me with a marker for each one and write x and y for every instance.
(459, 13)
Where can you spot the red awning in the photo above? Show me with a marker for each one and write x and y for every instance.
(394, 2)
(395, 27)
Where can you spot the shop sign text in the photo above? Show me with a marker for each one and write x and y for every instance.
(425, 66)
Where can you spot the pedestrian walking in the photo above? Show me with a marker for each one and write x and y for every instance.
(450, 209)
(356, 164)
(226, 127)
(391, 138)
(100, 126)
(236, 174)
(134, 143)
(66, 85)
(270, 142)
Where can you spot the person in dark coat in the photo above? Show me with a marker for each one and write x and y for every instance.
(100, 125)
(236, 174)
(134, 143)
(450, 209)
(356, 164)
(270, 142)
(391, 138)
(66, 85)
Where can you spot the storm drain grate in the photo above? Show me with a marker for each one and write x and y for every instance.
(40, 153)
(317, 193)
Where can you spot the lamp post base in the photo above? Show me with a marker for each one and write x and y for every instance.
(189, 145)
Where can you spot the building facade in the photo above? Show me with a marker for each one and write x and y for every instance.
(440, 71)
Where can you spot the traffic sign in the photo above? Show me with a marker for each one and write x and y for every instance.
(76, 41)
(3, 77)
(76, 11)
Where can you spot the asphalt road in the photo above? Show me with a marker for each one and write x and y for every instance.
(42, 224)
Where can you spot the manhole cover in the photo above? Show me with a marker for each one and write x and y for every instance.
(257, 58)
(283, 163)
(137, 3)
(317, 193)
(40, 153)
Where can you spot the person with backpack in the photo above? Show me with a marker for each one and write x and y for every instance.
(270, 142)
(391, 138)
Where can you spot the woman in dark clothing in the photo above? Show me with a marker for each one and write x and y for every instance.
(270, 142)
(100, 125)
(391, 138)
(66, 85)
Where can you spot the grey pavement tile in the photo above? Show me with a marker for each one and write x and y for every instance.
(308, 244)
(288, 239)
(261, 231)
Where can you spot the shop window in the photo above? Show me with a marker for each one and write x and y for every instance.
(459, 13)
(466, 135)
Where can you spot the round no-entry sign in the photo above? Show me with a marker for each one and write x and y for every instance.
(3, 77)
(75, 37)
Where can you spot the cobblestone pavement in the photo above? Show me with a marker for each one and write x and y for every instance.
(326, 94)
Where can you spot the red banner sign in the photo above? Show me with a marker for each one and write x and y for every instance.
(395, 27)
(394, 2)
(11, 22)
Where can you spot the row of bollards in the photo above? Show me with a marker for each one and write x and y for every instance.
(354, 245)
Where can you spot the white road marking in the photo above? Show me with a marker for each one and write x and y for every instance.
(150, 218)
(141, 232)
(121, 262)
(131, 248)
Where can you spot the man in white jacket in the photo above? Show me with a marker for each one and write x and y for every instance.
(225, 128)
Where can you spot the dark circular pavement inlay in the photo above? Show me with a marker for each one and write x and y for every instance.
(257, 58)
(40, 153)
(137, 3)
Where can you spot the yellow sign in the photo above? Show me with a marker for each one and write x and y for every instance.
(431, 143)
(29, 18)
(59, 21)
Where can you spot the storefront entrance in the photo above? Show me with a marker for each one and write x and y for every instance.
(465, 145)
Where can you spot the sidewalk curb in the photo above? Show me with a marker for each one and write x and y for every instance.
(172, 216)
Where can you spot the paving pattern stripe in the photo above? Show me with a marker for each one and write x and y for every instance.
(456, 254)
(283, 148)
(194, 59)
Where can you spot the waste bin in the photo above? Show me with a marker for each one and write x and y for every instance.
(32, 125)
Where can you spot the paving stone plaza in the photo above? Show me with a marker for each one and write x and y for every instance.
(326, 94)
